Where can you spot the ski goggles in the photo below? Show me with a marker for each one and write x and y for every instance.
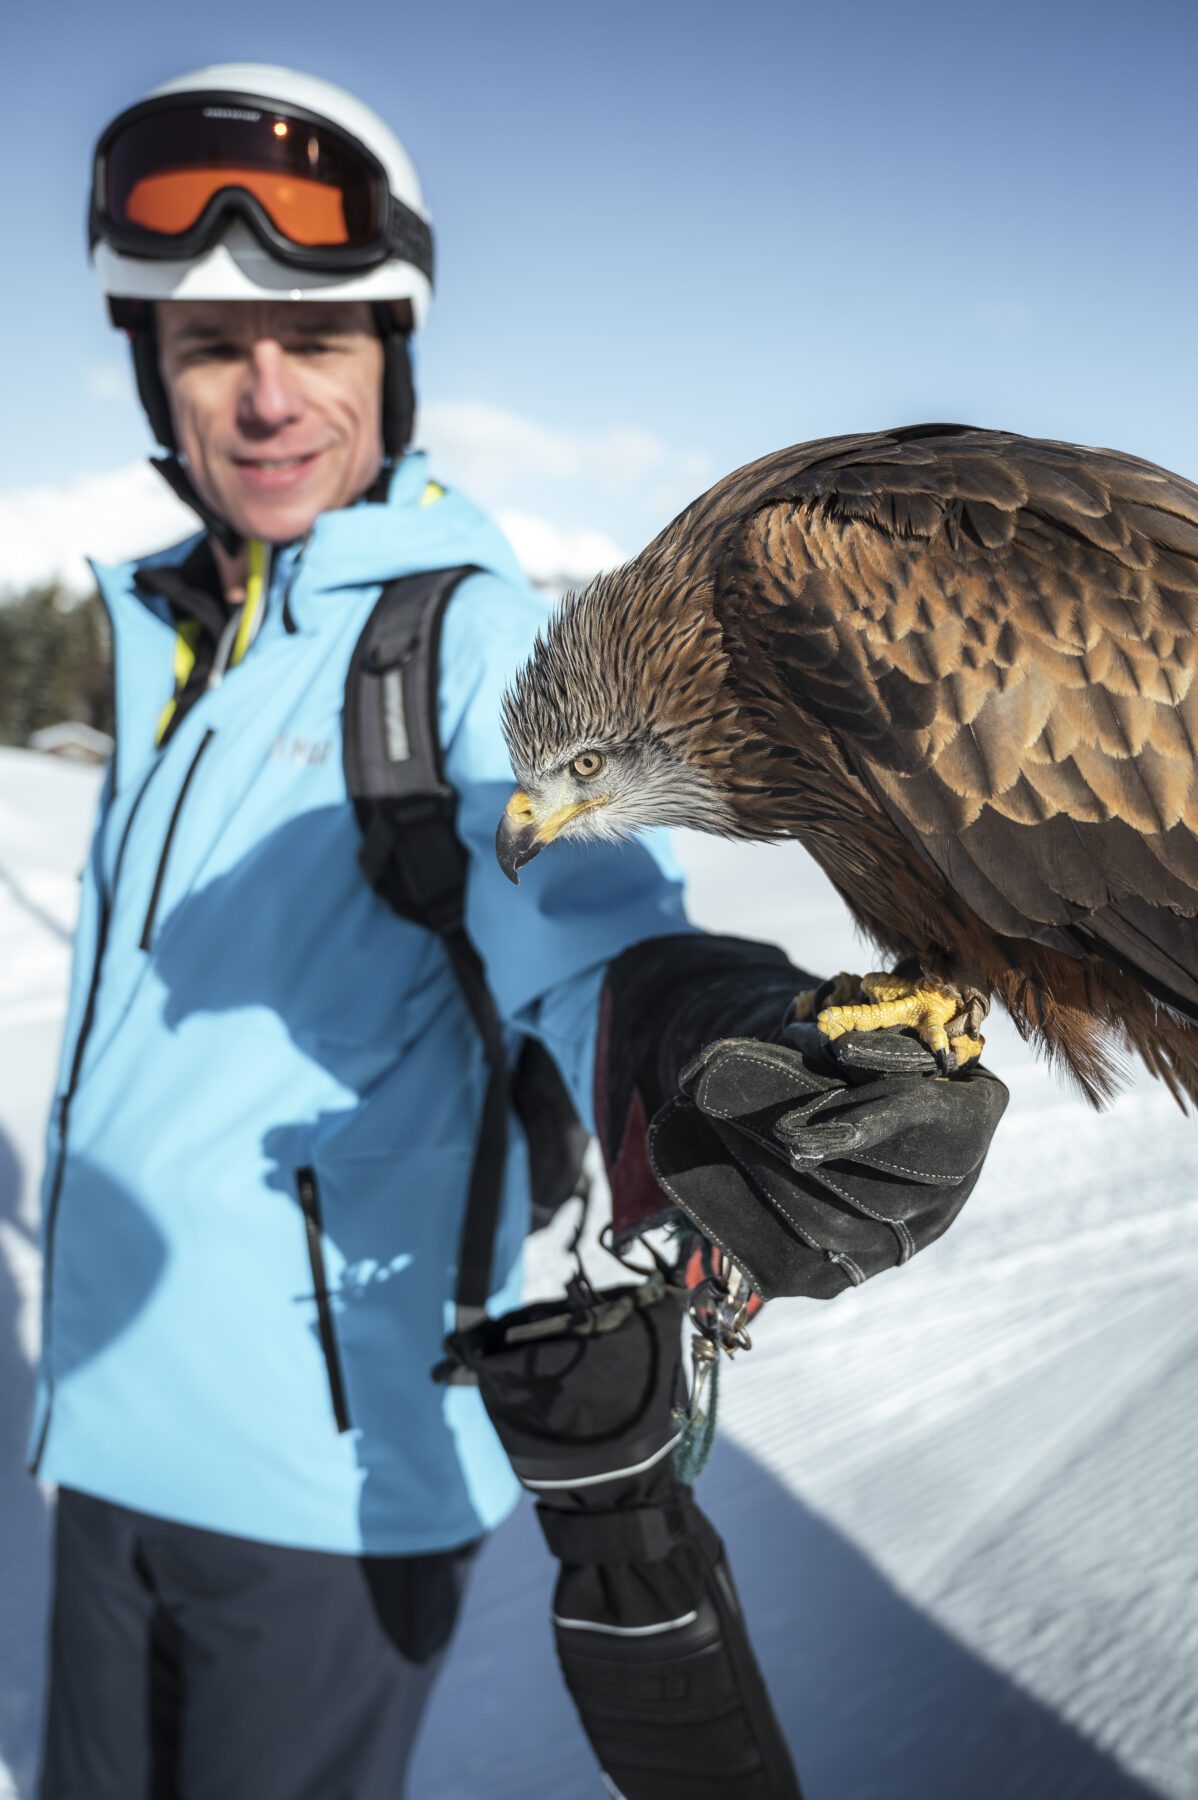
(170, 174)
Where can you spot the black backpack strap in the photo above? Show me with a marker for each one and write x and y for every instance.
(394, 768)
(412, 857)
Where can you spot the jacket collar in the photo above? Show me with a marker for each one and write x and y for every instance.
(418, 526)
(191, 588)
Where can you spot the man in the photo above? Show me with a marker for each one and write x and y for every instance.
(271, 1085)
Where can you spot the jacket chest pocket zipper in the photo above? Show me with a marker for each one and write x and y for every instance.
(309, 1199)
(147, 929)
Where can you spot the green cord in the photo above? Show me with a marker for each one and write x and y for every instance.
(698, 1435)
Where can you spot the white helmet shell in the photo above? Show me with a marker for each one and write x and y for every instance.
(238, 267)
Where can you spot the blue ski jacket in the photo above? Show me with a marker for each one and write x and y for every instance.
(260, 1143)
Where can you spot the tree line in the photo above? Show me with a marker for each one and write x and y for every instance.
(55, 662)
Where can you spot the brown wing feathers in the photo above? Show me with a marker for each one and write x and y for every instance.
(1000, 637)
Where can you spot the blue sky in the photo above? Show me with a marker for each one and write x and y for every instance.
(672, 238)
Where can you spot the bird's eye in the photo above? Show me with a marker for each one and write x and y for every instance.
(587, 765)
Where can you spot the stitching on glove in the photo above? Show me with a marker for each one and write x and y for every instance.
(809, 1105)
(760, 1053)
(840, 1257)
(665, 1185)
(811, 1243)
(806, 1110)
(821, 1175)
(925, 1177)
(906, 1242)
(775, 1063)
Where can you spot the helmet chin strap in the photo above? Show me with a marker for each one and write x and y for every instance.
(399, 414)
(180, 483)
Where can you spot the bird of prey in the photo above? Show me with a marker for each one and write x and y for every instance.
(961, 666)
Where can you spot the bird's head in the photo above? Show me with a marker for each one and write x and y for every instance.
(617, 721)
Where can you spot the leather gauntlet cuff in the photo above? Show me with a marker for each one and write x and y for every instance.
(664, 1000)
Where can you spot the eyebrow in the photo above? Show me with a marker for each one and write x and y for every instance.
(203, 331)
(200, 333)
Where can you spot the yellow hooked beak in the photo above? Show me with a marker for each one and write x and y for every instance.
(521, 835)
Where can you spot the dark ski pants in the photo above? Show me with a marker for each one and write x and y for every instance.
(186, 1665)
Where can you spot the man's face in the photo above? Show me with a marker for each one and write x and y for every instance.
(277, 406)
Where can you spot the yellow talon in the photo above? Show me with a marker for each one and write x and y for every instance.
(844, 987)
(926, 1007)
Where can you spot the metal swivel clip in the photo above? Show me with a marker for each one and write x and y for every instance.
(718, 1308)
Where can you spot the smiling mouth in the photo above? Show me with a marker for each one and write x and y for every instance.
(272, 463)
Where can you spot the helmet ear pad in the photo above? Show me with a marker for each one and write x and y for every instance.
(399, 393)
(136, 317)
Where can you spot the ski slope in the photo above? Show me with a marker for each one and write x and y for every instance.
(959, 1502)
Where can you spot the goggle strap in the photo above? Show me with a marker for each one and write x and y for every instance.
(412, 238)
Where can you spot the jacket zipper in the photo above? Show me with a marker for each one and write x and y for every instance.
(309, 1199)
(107, 906)
(289, 624)
(160, 873)
(107, 903)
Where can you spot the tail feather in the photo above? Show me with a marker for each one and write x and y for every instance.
(1088, 1017)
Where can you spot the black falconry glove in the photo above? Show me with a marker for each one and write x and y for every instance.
(811, 1165)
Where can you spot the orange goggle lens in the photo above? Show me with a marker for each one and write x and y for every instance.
(304, 211)
(158, 173)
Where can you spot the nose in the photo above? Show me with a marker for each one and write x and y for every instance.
(270, 397)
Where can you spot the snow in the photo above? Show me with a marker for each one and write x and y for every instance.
(958, 1503)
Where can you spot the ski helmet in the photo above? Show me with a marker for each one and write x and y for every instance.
(243, 181)
(246, 182)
